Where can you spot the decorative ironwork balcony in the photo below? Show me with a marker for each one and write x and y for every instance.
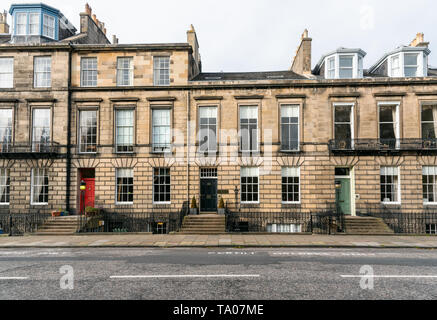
(34, 150)
(355, 146)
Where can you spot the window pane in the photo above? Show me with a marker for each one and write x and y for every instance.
(125, 185)
(346, 61)
(410, 59)
(161, 185)
(161, 70)
(386, 113)
(342, 113)
(40, 186)
(346, 73)
(410, 71)
(41, 130)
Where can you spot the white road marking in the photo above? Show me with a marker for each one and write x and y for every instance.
(390, 276)
(14, 278)
(187, 276)
(326, 254)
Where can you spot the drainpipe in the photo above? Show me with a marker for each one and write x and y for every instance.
(68, 179)
(188, 146)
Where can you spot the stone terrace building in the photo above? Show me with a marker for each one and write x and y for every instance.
(147, 130)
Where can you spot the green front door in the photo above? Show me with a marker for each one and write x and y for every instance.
(343, 196)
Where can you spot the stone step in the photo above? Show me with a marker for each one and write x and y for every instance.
(60, 233)
(202, 232)
(57, 227)
(366, 225)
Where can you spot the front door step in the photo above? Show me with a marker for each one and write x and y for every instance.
(366, 226)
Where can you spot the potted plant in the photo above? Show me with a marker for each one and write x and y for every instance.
(193, 206)
(221, 206)
(56, 213)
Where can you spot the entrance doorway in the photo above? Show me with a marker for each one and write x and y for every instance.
(343, 191)
(208, 190)
(88, 198)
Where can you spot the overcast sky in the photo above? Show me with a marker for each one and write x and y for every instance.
(263, 35)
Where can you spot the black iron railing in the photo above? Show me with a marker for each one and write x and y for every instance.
(33, 149)
(17, 224)
(285, 222)
(407, 222)
(381, 145)
(132, 222)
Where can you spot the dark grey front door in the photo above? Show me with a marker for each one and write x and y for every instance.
(208, 195)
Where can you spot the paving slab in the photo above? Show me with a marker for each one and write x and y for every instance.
(225, 240)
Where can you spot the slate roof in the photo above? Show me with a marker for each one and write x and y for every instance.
(236, 76)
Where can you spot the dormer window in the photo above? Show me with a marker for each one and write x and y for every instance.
(346, 67)
(395, 66)
(407, 63)
(21, 24)
(34, 24)
(410, 64)
(331, 68)
(49, 26)
(344, 64)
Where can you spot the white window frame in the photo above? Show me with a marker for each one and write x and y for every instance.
(17, 24)
(422, 122)
(157, 71)
(283, 171)
(89, 70)
(399, 201)
(212, 111)
(32, 202)
(154, 133)
(357, 65)
(330, 72)
(50, 32)
(80, 144)
(257, 129)
(121, 109)
(121, 71)
(352, 68)
(288, 105)
(6, 148)
(397, 124)
(37, 143)
(38, 25)
(36, 71)
(352, 118)
(241, 184)
(117, 175)
(8, 74)
(153, 186)
(275, 227)
(426, 170)
(412, 66)
(5, 172)
(421, 64)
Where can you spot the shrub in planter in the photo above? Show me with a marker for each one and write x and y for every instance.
(193, 206)
(90, 211)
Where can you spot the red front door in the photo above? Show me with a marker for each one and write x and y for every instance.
(89, 194)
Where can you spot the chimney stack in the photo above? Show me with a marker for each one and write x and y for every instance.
(4, 27)
(91, 25)
(302, 60)
(114, 39)
(192, 41)
(419, 41)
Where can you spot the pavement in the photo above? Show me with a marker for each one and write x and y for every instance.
(225, 240)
